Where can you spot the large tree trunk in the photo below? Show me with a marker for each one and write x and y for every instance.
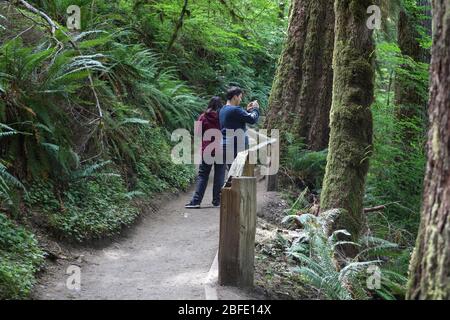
(300, 100)
(351, 117)
(430, 264)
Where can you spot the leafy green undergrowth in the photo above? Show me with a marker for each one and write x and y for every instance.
(98, 206)
(304, 167)
(96, 201)
(154, 167)
(88, 209)
(20, 258)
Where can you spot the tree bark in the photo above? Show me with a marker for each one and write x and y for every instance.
(430, 264)
(351, 118)
(300, 100)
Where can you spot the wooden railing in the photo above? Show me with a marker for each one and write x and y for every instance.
(238, 215)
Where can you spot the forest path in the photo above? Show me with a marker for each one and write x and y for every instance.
(166, 255)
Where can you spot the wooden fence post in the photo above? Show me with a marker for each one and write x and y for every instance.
(237, 232)
(271, 180)
(272, 183)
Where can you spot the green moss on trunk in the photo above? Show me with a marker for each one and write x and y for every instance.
(351, 119)
(300, 100)
(430, 265)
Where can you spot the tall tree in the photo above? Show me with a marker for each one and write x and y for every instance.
(300, 100)
(430, 264)
(351, 117)
(410, 88)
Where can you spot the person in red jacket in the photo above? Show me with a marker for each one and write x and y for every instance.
(209, 120)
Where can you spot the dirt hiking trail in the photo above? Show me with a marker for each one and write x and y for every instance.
(166, 255)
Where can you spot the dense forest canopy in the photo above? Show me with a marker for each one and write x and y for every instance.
(86, 117)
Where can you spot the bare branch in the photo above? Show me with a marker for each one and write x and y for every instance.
(374, 209)
(53, 26)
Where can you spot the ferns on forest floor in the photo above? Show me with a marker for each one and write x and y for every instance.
(316, 254)
(304, 167)
(7, 180)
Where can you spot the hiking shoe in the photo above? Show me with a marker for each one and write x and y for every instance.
(216, 204)
(192, 205)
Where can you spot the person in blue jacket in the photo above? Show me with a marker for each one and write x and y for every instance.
(233, 121)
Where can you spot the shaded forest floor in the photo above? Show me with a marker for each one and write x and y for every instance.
(165, 255)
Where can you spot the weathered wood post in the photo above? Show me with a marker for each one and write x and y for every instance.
(237, 232)
(271, 180)
(236, 255)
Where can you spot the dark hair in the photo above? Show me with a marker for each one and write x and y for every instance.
(215, 104)
(233, 91)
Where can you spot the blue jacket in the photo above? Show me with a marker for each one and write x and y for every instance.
(233, 117)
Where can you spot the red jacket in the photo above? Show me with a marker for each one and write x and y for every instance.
(209, 120)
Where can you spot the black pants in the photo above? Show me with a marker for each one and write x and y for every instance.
(202, 182)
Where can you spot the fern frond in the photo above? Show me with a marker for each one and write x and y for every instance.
(1, 26)
(90, 170)
(8, 179)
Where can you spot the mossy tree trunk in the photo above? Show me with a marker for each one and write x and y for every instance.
(410, 93)
(300, 100)
(351, 118)
(430, 264)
